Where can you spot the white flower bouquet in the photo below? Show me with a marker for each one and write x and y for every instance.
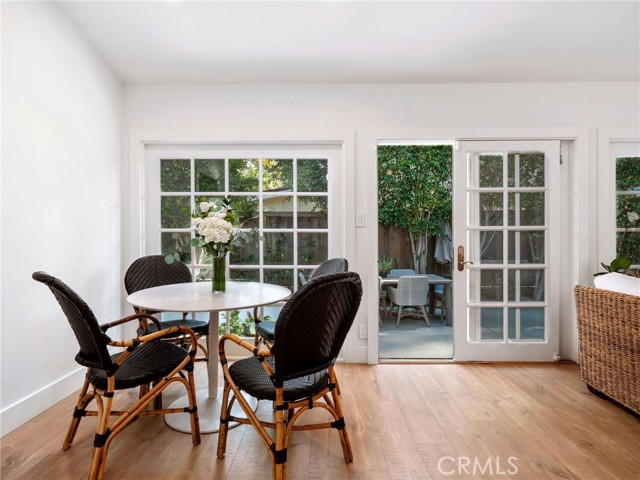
(214, 231)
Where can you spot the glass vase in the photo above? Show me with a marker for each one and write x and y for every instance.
(219, 283)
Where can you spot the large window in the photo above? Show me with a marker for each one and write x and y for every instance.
(628, 208)
(285, 199)
(618, 199)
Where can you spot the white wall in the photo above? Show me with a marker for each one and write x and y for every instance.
(61, 154)
(372, 110)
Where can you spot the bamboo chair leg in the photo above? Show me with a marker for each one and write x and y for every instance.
(157, 401)
(83, 400)
(344, 436)
(224, 425)
(205, 352)
(98, 460)
(143, 391)
(193, 406)
(280, 469)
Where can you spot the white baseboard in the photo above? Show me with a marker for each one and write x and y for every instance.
(24, 410)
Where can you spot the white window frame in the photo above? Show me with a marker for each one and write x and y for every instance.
(133, 205)
(612, 143)
(191, 153)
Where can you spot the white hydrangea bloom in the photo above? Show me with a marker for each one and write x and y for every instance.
(205, 206)
(633, 217)
(215, 230)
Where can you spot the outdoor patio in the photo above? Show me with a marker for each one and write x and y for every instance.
(412, 339)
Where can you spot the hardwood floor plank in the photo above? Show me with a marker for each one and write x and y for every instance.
(414, 422)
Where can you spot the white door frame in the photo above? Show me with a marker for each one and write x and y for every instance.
(582, 211)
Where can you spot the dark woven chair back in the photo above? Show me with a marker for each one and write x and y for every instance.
(314, 323)
(154, 271)
(333, 265)
(93, 342)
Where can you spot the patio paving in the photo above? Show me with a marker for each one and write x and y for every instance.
(414, 340)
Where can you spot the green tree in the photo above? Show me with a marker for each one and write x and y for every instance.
(414, 193)
(628, 205)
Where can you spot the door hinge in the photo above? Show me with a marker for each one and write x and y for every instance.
(560, 154)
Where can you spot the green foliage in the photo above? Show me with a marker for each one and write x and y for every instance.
(618, 264)
(243, 176)
(181, 248)
(628, 208)
(242, 328)
(414, 192)
(384, 266)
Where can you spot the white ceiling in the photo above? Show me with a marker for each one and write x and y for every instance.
(363, 42)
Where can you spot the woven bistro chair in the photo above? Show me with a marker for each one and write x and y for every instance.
(265, 330)
(297, 373)
(411, 292)
(146, 360)
(152, 271)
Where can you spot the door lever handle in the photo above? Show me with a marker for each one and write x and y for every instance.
(461, 260)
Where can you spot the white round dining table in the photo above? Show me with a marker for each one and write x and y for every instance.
(198, 297)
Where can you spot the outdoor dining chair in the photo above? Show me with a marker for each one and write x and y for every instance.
(411, 292)
(265, 329)
(153, 271)
(400, 272)
(145, 361)
(297, 373)
(332, 265)
(438, 294)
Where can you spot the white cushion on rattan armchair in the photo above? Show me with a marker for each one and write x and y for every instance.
(411, 292)
(617, 282)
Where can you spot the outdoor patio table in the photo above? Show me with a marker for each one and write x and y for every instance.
(197, 297)
(433, 280)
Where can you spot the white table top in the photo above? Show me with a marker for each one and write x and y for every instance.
(197, 297)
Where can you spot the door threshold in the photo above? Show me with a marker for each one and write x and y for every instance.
(414, 360)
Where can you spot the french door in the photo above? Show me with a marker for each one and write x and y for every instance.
(506, 250)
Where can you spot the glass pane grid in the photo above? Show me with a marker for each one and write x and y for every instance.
(255, 186)
(627, 206)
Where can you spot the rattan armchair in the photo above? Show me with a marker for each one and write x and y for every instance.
(297, 373)
(609, 338)
(152, 271)
(411, 292)
(265, 330)
(144, 361)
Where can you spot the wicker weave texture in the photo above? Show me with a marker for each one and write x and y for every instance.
(92, 341)
(153, 271)
(313, 324)
(609, 336)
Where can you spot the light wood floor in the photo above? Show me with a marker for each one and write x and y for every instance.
(404, 421)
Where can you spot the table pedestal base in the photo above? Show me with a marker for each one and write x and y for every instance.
(208, 412)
